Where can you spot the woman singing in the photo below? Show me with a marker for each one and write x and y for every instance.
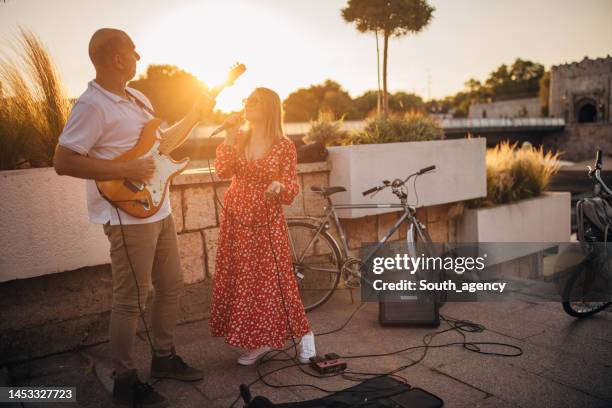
(256, 303)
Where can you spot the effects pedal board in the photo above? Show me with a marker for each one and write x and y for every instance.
(331, 363)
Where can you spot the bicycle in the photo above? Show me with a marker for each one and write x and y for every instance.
(591, 238)
(319, 262)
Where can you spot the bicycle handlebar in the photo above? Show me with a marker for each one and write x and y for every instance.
(387, 184)
(425, 170)
(370, 191)
(598, 160)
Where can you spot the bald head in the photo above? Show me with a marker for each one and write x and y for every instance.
(106, 43)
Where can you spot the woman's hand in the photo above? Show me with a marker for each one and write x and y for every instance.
(233, 121)
(274, 189)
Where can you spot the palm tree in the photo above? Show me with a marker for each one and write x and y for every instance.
(391, 18)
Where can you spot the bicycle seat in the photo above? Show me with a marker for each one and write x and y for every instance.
(327, 191)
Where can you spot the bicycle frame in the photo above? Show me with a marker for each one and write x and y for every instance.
(331, 213)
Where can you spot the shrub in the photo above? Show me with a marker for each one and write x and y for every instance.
(515, 173)
(326, 130)
(33, 105)
(410, 127)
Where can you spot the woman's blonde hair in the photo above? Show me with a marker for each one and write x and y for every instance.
(273, 116)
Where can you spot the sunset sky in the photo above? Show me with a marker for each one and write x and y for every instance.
(288, 44)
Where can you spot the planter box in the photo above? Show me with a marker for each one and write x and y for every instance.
(460, 172)
(539, 222)
(45, 228)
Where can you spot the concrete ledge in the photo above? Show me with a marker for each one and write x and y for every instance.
(59, 312)
(201, 175)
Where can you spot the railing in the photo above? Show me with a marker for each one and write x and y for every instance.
(301, 128)
(502, 122)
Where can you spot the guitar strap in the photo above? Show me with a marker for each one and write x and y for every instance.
(140, 103)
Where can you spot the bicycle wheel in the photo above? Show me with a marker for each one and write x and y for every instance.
(577, 308)
(316, 263)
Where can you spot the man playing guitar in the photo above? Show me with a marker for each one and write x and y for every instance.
(105, 122)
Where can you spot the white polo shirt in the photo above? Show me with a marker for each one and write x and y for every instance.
(103, 125)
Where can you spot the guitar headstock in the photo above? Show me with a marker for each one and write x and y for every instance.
(234, 73)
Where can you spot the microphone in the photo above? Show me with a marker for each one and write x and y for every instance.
(228, 124)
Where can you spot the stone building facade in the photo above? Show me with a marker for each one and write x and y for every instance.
(580, 91)
(512, 108)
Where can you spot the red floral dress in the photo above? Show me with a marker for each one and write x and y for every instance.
(247, 305)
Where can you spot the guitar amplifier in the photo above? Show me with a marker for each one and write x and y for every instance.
(398, 308)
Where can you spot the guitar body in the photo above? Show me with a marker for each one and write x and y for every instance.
(143, 199)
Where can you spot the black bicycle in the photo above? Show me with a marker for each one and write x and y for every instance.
(593, 233)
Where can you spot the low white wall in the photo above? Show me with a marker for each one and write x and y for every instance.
(45, 228)
(515, 230)
(460, 172)
(540, 219)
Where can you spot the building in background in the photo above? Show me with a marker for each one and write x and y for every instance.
(529, 107)
(580, 91)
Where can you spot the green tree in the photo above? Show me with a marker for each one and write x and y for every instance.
(391, 18)
(305, 104)
(521, 78)
(365, 105)
(544, 92)
(171, 90)
(405, 102)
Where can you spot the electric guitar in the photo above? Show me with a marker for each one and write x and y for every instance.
(143, 199)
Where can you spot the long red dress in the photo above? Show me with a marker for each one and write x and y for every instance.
(247, 307)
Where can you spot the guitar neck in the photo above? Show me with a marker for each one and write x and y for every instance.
(171, 142)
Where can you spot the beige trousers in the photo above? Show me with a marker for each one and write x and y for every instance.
(153, 252)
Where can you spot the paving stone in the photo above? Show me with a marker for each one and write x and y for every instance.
(517, 386)
(360, 230)
(296, 208)
(489, 402)
(211, 236)
(385, 222)
(199, 207)
(180, 394)
(67, 370)
(437, 213)
(438, 231)
(564, 340)
(594, 378)
(502, 317)
(314, 203)
(221, 189)
(552, 315)
(176, 202)
(564, 366)
(191, 251)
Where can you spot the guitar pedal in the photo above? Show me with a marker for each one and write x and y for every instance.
(331, 363)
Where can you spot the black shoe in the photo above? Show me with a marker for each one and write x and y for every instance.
(174, 367)
(129, 391)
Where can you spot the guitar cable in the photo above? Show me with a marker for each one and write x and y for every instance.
(294, 357)
(458, 326)
(140, 309)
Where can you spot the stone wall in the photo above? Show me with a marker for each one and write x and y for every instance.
(570, 84)
(513, 108)
(62, 311)
(580, 141)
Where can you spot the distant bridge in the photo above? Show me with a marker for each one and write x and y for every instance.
(452, 127)
(494, 129)
(485, 126)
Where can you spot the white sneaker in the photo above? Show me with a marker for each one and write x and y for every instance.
(307, 348)
(250, 357)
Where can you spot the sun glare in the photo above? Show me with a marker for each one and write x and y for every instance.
(207, 39)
